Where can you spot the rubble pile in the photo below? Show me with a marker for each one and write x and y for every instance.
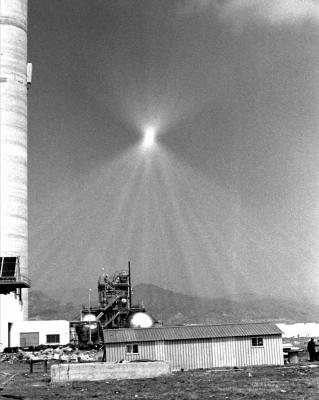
(60, 354)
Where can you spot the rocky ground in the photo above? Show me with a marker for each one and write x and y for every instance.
(269, 383)
(61, 353)
(289, 382)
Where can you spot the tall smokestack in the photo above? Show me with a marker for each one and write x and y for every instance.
(13, 132)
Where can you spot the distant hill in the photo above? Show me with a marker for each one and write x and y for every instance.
(176, 308)
(43, 307)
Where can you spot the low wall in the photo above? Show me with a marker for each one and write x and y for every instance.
(101, 371)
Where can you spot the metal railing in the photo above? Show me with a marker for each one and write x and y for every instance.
(25, 279)
(16, 278)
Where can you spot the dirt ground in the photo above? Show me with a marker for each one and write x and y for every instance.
(286, 382)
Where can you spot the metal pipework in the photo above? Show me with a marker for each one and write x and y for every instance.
(13, 132)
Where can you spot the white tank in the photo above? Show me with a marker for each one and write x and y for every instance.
(91, 321)
(141, 320)
(13, 131)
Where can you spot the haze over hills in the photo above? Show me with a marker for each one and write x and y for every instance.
(44, 307)
(176, 308)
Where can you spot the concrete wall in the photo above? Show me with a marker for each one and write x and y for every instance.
(11, 312)
(204, 353)
(55, 327)
(105, 371)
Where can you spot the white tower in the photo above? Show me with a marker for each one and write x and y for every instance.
(13, 164)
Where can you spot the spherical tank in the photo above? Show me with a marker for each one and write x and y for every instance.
(13, 131)
(141, 320)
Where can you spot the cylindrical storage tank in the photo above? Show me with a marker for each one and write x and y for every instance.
(140, 320)
(13, 131)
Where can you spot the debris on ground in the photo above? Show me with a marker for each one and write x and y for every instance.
(63, 354)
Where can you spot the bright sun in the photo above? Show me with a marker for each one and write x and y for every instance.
(149, 137)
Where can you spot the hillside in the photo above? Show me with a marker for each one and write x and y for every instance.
(43, 307)
(177, 308)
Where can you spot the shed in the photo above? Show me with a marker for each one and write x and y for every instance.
(198, 346)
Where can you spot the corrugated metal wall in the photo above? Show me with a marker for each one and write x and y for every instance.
(147, 350)
(200, 353)
(239, 352)
(189, 354)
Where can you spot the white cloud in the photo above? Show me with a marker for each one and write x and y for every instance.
(241, 12)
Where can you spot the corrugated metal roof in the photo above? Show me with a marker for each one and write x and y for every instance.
(189, 332)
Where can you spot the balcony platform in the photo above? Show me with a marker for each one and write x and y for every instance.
(10, 284)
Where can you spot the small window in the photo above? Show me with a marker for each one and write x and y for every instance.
(53, 338)
(257, 341)
(8, 267)
(132, 348)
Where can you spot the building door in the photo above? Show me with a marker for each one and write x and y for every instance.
(29, 339)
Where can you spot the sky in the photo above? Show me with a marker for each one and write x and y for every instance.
(226, 201)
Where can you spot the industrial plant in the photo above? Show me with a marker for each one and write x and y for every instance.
(115, 320)
(127, 332)
(115, 309)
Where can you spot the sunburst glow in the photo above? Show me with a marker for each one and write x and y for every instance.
(166, 217)
(149, 137)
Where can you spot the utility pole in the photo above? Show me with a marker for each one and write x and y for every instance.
(129, 286)
(90, 333)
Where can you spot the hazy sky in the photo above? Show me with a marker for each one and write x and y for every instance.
(228, 200)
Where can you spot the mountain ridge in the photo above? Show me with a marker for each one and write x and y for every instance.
(174, 308)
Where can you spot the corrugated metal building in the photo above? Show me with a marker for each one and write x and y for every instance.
(198, 346)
